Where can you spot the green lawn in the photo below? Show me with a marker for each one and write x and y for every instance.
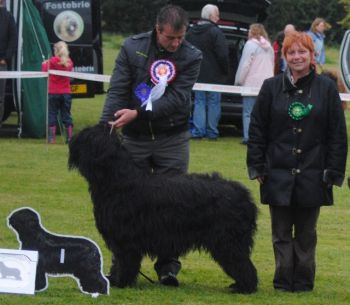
(35, 174)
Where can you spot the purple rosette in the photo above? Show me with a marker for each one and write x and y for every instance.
(142, 92)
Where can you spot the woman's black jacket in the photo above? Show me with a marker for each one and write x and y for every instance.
(300, 160)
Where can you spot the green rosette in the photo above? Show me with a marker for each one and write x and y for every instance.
(298, 111)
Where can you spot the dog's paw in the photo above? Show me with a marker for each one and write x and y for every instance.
(115, 282)
(236, 289)
(169, 280)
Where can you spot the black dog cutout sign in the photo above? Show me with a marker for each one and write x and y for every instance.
(59, 255)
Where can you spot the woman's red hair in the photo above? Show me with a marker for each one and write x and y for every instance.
(302, 39)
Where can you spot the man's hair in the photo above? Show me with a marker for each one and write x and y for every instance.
(208, 10)
(173, 15)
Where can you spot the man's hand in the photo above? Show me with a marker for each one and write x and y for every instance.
(261, 179)
(2, 62)
(124, 116)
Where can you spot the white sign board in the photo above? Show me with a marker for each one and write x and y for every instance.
(18, 271)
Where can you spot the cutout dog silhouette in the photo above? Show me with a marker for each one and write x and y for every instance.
(9, 273)
(142, 214)
(59, 255)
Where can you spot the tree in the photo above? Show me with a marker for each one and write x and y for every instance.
(129, 16)
(345, 22)
(301, 13)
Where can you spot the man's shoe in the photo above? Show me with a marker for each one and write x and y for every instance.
(169, 280)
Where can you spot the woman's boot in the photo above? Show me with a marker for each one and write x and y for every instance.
(52, 135)
(69, 134)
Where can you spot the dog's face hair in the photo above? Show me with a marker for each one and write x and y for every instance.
(92, 148)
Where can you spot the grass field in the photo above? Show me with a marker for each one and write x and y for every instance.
(35, 174)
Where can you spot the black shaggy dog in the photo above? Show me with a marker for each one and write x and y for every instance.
(141, 214)
(59, 255)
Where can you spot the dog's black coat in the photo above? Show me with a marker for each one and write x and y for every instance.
(82, 258)
(141, 214)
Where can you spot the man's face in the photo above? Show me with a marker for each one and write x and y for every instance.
(2, 3)
(215, 17)
(169, 39)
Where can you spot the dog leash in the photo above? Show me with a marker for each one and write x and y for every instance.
(146, 277)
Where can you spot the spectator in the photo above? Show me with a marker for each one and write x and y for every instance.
(8, 44)
(155, 130)
(316, 32)
(297, 151)
(207, 37)
(60, 99)
(279, 62)
(255, 66)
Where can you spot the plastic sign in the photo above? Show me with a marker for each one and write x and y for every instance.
(18, 271)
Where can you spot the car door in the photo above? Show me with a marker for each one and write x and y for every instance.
(344, 59)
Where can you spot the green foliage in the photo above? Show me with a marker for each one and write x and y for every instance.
(129, 16)
(301, 13)
(135, 16)
(346, 21)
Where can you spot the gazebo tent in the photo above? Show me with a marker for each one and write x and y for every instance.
(30, 94)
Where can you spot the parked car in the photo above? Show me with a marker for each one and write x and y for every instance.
(344, 59)
(235, 18)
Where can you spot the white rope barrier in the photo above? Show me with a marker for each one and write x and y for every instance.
(87, 76)
(250, 91)
(22, 74)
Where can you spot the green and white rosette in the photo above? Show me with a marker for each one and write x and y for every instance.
(297, 110)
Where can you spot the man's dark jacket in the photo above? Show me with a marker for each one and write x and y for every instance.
(300, 159)
(170, 114)
(208, 37)
(8, 35)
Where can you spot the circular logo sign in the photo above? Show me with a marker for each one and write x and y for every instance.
(68, 26)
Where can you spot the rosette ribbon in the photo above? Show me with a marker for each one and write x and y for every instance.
(156, 92)
(298, 111)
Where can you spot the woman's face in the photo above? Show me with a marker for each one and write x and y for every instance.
(320, 27)
(298, 59)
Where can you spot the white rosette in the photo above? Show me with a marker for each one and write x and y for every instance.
(156, 92)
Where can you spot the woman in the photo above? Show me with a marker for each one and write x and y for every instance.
(60, 100)
(255, 66)
(316, 32)
(297, 151)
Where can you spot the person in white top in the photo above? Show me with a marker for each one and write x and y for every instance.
(256, 65)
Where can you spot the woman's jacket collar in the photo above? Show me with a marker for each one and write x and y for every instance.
(289, 85)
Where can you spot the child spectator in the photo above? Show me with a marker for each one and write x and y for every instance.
(60, 100)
